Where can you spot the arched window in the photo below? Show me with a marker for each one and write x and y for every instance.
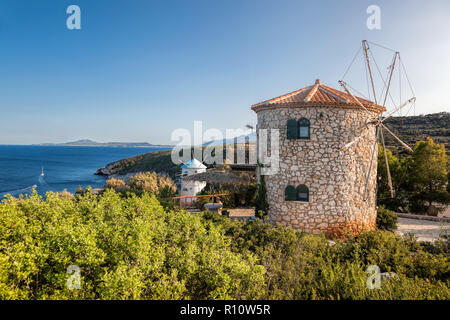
(302, 193)
(292, 129)
(303, 128)
(290, 194)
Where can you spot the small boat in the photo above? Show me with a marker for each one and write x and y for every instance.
(42, 172)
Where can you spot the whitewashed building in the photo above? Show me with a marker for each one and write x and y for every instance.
(191, 188)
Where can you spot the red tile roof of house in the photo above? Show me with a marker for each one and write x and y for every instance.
(317, 95)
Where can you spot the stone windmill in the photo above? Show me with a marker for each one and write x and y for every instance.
(326, 180)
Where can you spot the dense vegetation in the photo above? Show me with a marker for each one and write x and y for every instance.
(420, 180)
(160, 185)
(416, 128)
(128, 247)
(386, 219)
(159, 162)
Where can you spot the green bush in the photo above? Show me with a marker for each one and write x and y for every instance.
(302, 266)
(160, 185)
(386, 219)
(116, 184)
(240, 195)
(132, 248)
(126, 248)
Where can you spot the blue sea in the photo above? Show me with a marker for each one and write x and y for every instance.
(64, 167)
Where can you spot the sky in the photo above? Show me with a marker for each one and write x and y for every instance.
(139, 69)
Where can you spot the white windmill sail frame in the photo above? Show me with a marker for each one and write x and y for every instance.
(378, 121)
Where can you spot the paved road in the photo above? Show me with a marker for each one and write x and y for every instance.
(425, 230)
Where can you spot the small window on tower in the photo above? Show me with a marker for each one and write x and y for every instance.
(304, 128)
(302, 193)
(289, 194)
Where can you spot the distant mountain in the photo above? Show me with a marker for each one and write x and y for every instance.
(90, 143)
(416, 128)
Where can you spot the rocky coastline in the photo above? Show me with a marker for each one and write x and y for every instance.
(109, 169)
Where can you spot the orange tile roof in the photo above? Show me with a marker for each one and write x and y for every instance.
(317, 95)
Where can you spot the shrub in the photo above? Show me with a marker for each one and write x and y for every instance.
(240, 195)
(147, 181)
(79, 191)
(116, 184)
(131, 248)
(302, 266)
(126, 248)
(166, 187)
(386, 219)
(160, 185)
(65, 194)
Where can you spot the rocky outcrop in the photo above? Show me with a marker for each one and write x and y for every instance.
(109, 169)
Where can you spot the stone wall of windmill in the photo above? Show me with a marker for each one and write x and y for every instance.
(319, 186)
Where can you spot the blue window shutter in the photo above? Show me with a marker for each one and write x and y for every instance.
(292, 129)
(290, 194)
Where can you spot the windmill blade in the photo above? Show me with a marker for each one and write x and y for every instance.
(365, 126)
(373, 121)
(398, 139)
(348, 145)
(387, 165)
(399, 108)
(344, 85)
(366, 185)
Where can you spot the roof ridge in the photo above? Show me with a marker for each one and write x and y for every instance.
(312, 92)
(287, 95)
(336, 95)
(361, 99)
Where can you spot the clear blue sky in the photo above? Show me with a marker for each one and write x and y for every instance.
(139, 69)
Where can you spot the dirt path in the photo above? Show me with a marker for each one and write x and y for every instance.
(423, 229)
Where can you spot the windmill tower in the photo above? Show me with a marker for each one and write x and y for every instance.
(326, 181)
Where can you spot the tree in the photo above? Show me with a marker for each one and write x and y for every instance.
(399, 178)
(428, 176)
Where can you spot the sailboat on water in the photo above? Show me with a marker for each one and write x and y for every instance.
(42, 172)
